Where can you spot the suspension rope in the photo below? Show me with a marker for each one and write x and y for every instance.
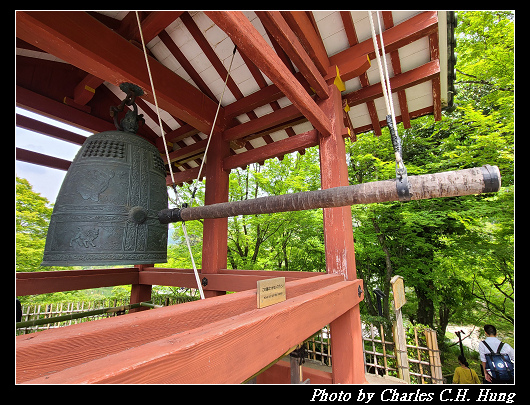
(173, 185)
(156, 105)
(387, 78)
(195, 271)
(213, 126)
(401, 171)
(387, 91)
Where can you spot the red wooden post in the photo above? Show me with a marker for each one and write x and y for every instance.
(346, 342)
(215, 231)
(140, 292)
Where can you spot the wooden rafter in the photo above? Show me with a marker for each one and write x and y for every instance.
(311, 41)
(153, 24)
(276, 149)
(267, 121)
(81, 40)
(49, 130)
(410, 78)
(400, 35)
(40, 159)
(186, 65)
(246, 37)
(43, 105)
(287, 39)
(205, 46)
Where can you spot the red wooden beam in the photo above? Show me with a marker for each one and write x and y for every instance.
(86, 88)
(81, 40)
(287, 39)
(186, 65)
(311, 41)
(388, 22)
(43, 353)
(184, 176)
(410, 78)
(32, 101)
(275, 149)
(400, 35)
(154, 23)
(223, 280)
(412, 115)
(43, 282)
(348, 69)
(252, 101)
(49, 130)
(260, 80)
(200, 354)
(40, 159)
(371, 106)
(339, 248)
(215, 231)
(267, 121)
(349, 27)
(246, 37)
(205, 46)
(190, 150)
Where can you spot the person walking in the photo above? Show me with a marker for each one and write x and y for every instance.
(464, 374)
(497, 358)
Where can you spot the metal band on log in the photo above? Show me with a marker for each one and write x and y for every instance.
(485, 179)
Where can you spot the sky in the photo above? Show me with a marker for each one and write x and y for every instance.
(45, 181)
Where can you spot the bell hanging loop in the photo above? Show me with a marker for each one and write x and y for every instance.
(130, 123)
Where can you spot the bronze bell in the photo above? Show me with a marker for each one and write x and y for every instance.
(106, 210)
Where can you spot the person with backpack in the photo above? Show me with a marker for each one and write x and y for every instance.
(497, 358)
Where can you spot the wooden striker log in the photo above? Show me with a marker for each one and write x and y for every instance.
(477, 180)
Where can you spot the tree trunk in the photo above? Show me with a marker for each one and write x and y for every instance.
(425, 312)
(389, 270)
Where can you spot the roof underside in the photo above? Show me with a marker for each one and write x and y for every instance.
(79, 86)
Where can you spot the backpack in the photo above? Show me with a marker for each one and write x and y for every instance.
(499, 364)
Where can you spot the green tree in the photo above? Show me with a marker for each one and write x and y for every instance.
(33, 213)
(456, 254)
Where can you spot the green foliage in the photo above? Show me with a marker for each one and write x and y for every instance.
(456, 254)
(32, 217)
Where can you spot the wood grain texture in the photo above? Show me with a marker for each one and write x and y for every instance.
(207, 354)
(51, 351)
(435, 185)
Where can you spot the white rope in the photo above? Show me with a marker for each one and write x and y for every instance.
(156, 101)
(213, 126)
(384, 77)
(195, 271)
(378, 58)
(387, 76)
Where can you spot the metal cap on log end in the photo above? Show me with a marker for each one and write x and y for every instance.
(455, 183)
(492, 179)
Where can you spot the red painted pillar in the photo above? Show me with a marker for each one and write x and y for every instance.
(215, 231)
(346, 340)
(140, 292)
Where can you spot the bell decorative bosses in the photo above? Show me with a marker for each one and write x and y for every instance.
(106, 210)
